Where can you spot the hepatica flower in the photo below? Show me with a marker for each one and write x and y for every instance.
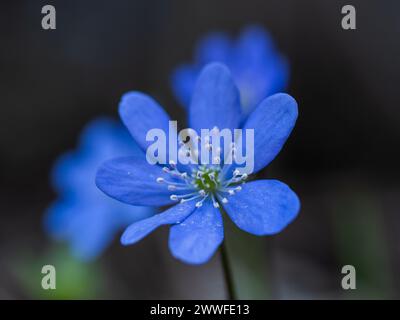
(82, 215)
(258, 69)
(199, 192)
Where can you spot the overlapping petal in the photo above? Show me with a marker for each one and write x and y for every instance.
(215, 101)
(272, 122)
(173, 215)
(196, 239)
(134, 181)
(141, 113)
(263, 207)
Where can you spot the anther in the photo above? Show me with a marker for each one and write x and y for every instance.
(160, 180)
(214, 130)
(172, 163)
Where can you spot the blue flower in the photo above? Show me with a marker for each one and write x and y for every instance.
(197, 192)
(82, 215)
(258, 69)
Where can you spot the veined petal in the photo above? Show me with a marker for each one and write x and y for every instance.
(140, 229)
(272, 122)
(196, 239)
(263, 207)
(141, 113)
(215, 100)
(134, 181)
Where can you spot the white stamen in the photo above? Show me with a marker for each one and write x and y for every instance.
(172, 163)
(160, 180)
(214, 130)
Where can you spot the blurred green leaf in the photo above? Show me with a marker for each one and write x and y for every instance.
(74, 279)
(359, 238)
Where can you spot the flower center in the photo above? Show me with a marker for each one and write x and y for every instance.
(205, 182)
(206, 179)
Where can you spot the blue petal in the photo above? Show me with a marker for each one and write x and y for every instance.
(255, 44)
(101, 139)
(89, 226)
(272, 121)
(105, 138)
(196, 239)
(141, 113)
(133, 180)
(58, 217)
(215, 47)
(215, 100)
(258, 68)
(183, 82)
(263, 207)
(91, 231)
(82, 226)
(138, 230)
(83, 216)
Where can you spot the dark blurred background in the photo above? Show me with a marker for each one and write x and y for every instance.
(342, 158)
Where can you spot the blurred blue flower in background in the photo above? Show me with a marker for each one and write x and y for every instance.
(82, 215)
(257, 68)
(261, 207)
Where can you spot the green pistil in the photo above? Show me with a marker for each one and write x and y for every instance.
(208, 180)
